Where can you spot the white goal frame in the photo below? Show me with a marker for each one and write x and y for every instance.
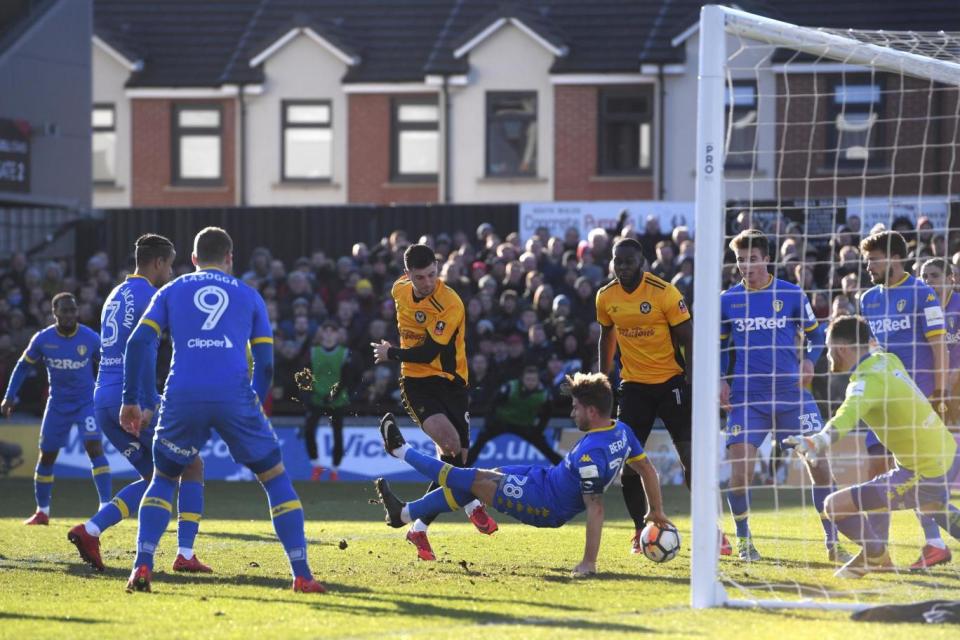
(715, 22)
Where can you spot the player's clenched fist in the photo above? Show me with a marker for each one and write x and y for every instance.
(130, 418)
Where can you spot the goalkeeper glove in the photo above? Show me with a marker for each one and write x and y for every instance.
(809, 447)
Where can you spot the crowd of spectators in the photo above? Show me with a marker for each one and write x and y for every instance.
(527, 303)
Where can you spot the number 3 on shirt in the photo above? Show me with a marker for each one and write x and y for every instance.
(212, 301)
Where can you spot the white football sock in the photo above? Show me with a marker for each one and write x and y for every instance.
(91, 528)
(44, 510)
(399, 452)
(418, 525)
(471, 506)
(405, 515)
(186, 553)
(937, 542)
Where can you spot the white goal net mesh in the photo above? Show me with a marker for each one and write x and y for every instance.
(825, 145)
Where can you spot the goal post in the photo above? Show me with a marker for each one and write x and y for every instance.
(933, 59)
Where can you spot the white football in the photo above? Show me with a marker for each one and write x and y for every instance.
(660, 545)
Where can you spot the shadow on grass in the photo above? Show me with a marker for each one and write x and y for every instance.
(6, 615)
(404, 606)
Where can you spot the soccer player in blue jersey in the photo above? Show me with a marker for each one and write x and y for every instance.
(211, 317)
(123, 308)
(937, 274)
(763, 317)
(68, 349)
(906, 319)
(536, 495)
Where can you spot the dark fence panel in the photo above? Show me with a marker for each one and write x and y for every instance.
(289, 232)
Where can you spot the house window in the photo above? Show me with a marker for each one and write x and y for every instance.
(104, 144)
(197, 144)
(854, 134)
(416, 140)
(511, 134)
(741, 125)
(307, 141)
(626, 126)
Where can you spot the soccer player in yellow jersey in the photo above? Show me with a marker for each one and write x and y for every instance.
(927, 461)
(433, 372)
(649, 320)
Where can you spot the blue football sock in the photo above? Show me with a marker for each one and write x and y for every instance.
(442, 500)
(931, 530)
(126, 501)
(949, 520)
(880, 523)
(819, 497)
(860, 529)
(740, 507)
(441, 472)
(101, 477)
(43, 485)
(190, 506)
(287, 514)
(154, 518)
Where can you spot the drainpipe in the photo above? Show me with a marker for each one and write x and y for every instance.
(243, 147)
(445, 89)
(661, 138)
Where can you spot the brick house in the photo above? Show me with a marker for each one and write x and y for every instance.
(296, 103)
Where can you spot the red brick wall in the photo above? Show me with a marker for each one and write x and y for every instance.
(368, 156)
(925, 120)
(151, 162)
(575, 152)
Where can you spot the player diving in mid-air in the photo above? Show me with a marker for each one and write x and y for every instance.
(122, 310)
(537, 495)
(926, 456)
(764, 317)
(69, 350)
(212, 316)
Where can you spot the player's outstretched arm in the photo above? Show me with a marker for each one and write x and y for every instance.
(607, 346)
(594, 504)
(651, 487)
(16, 381)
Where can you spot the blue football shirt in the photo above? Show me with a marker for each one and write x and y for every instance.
(590, 467)
(902, 317)
(764, 325)
(121, 312)
(69, 360)
(211, 317)
(951, 320)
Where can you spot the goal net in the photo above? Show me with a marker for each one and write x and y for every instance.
(818, 138)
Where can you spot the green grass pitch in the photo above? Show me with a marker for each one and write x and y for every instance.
(514, 584)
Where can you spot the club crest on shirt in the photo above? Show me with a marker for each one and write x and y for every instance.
(778, 306)
(683, 306)
(82, 350)
(438, 330)
(901, 305)
(420, 317)
(645, 307)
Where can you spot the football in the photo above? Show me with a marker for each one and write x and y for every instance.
(660, 545)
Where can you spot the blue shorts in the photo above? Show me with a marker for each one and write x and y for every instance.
(184, 427)
(57, 422)
(751, 421)
(136, 449)
(523, 494)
